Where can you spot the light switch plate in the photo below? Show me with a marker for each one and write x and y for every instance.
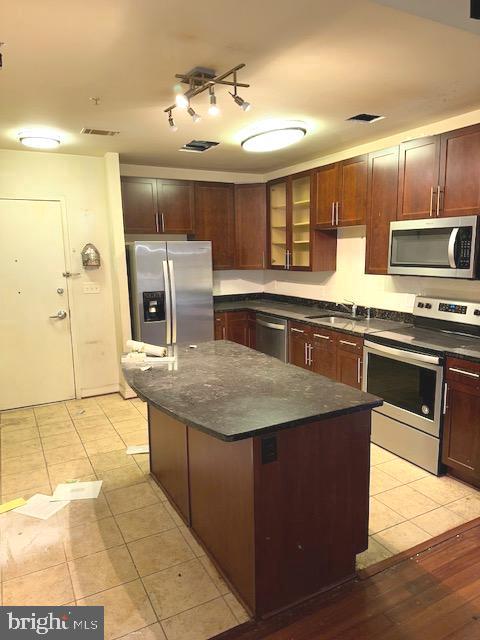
(91, 287)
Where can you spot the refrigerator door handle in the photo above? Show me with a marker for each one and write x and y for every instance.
(173, 295)
(168, 303)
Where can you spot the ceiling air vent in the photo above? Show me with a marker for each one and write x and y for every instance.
(198, 146)
(98, 132)
(365, 117)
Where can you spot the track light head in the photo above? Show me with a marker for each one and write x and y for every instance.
(181, 101)
(171, 122)
(194, 114)
(213, 109)
(243, 104)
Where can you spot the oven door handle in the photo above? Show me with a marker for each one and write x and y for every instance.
(406, 355)
(451, 248)
(270, 325)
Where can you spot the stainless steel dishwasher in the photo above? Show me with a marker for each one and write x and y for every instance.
(271, 336)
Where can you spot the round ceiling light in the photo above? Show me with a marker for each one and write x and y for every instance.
(274, 139)
(39, 139)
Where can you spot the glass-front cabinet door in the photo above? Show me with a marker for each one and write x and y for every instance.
(278, 224)
(300, 250)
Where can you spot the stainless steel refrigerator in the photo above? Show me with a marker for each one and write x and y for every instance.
(170, 285)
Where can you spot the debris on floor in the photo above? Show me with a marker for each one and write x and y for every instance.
(138, 448)
(41, 506)
(77, 490)
(12, 504)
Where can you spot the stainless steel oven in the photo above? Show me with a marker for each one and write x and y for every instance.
(441, 247)
(411, 385)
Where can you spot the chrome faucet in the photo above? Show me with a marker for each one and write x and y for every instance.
(354, 307)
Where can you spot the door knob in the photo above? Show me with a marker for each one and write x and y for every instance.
(60, 315)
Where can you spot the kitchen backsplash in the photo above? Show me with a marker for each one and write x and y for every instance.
(394, 293)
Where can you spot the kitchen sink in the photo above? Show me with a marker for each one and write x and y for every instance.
(340, 320)
(335, 316)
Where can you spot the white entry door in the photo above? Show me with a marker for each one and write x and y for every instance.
(36, 361)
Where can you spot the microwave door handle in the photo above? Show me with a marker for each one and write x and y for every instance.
(451, 248)
(168, 303)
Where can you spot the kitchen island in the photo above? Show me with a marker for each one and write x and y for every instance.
(268, 465)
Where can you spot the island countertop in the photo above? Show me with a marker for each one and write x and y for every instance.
(232, 392)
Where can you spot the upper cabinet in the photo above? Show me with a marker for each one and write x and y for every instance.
(440, 175)
(250, 226)
(293, 243)
(418, 178)
(157, 206)
(215, 220)
(460, 172)
(340, 193)
(381, 207)
(139, 202)
(176, 206)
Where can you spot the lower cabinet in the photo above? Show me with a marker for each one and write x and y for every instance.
(461, 437)
(236, 326)
(330, 353)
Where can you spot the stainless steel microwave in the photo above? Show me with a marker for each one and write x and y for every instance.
(439, 247)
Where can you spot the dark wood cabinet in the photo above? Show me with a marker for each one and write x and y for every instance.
(349, 360)
(324, 352)
(299, 344)
(330, 353)
(419, 166)
(461, 437)
(460, 172)
(252, 330)
(236, 326)
(381, 207)
(326, 193)
(139, 203)
(157, 206)
(250, 226)
(215, 221)
(169, 458)
(341, 193)
(176, 206)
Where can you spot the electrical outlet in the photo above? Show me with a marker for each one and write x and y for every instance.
(91, 287)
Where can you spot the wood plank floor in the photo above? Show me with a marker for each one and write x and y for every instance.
(434, 595)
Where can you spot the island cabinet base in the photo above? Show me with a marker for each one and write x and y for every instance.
(282, 515)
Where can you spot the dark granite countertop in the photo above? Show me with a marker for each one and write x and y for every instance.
(232, 392)
(301, 313)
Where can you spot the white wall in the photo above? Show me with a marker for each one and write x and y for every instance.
(81, 182)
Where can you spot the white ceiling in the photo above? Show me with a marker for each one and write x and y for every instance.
(315, 60)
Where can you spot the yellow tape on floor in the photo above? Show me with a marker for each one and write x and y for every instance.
(13, 504)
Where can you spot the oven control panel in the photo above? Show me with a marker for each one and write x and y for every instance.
(450, 310)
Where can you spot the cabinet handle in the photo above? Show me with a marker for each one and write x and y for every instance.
(288, 259)
(305, 351)
(470, 374)
(163, 223)
(333, 214)
(359, 369)
(337, 207)
(310, 349)
(431, 201)
(263, 259)
(438, 199)
(319, 335)
(223, 333)
(350, 344)
(157, 226)
(445, 395)
(297, 330)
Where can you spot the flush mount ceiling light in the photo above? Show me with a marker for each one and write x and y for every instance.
(273, 139)
(37, 139)
(201, 79)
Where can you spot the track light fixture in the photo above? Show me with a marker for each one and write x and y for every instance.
(243, 104)
(194, 114)
(213, 109)
(171, 122)
(201, 79)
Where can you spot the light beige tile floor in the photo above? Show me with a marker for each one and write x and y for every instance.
(129, 551)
